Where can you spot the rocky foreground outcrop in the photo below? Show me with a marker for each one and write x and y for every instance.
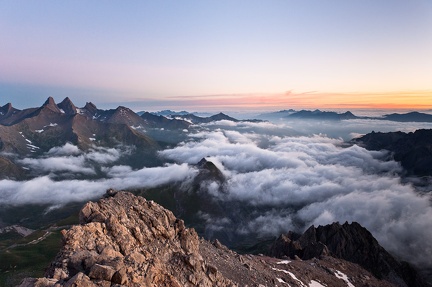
(350, 242)
(125, 240)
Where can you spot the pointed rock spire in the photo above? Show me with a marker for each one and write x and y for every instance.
(89, 106)
(50, 104)
(6, 109)
(67, 106)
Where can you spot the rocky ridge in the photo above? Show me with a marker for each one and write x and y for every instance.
(350, 242)
(413, 150)
(125, 240)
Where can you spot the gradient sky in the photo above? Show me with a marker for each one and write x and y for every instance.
(218, 55)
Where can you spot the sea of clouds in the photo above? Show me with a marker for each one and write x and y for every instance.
(287, 179)
(297, 181)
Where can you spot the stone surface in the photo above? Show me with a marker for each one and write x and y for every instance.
(125, 240)
(350, 242)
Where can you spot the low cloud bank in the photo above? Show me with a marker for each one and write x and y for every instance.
(298, 181)
(45, 190)
(70, 159)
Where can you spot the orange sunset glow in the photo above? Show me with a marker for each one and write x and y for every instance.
(416, 100)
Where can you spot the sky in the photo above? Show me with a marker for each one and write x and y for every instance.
(218, 55)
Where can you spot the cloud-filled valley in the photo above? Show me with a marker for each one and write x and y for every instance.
(276, 180)
(298, 181)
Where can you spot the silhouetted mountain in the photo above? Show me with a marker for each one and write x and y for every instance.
(202, 120)
(320, 115)
(350, 242)
(121, 115)
(169, 113)
(6, 110)
(409, 117)
(154, 121)
(10, 115)
(90, 110)
(275, 115)
(412, 150)
(50, 104)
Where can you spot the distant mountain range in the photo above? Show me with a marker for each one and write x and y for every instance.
(334, 116)
(34, 131)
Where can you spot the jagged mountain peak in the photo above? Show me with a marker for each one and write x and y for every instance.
(7, 106)
(49, 101)
(90, 105)
(6, 109)
(50, 104)
(348, 241)
(67, 106)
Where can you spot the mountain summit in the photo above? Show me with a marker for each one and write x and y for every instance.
(50, 104)
(67, 107)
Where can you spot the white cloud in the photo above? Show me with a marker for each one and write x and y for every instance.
(76, 164)
(67, 149)
(45, 190)
(70, 159)
(275, 182)
(314, 180)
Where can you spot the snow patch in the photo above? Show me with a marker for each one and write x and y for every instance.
(23, 231)
(62, 111)
(32, 146)
(140, 127)
(284, 262)
(292, 276)
(92, 139)
(39, 131)
(344, 277)
(314, 283)
(183, 119)
(282, 281)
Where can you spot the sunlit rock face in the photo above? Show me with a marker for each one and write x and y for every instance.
(125, 240)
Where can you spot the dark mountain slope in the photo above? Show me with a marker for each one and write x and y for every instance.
(67, 107)
(39, 129)
(412, 150)
(202, 120)
(409, 117)
(350, 242)
(320, 115)
(9, 170)
(154, 121)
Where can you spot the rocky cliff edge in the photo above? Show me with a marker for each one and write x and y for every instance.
(125, 240)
